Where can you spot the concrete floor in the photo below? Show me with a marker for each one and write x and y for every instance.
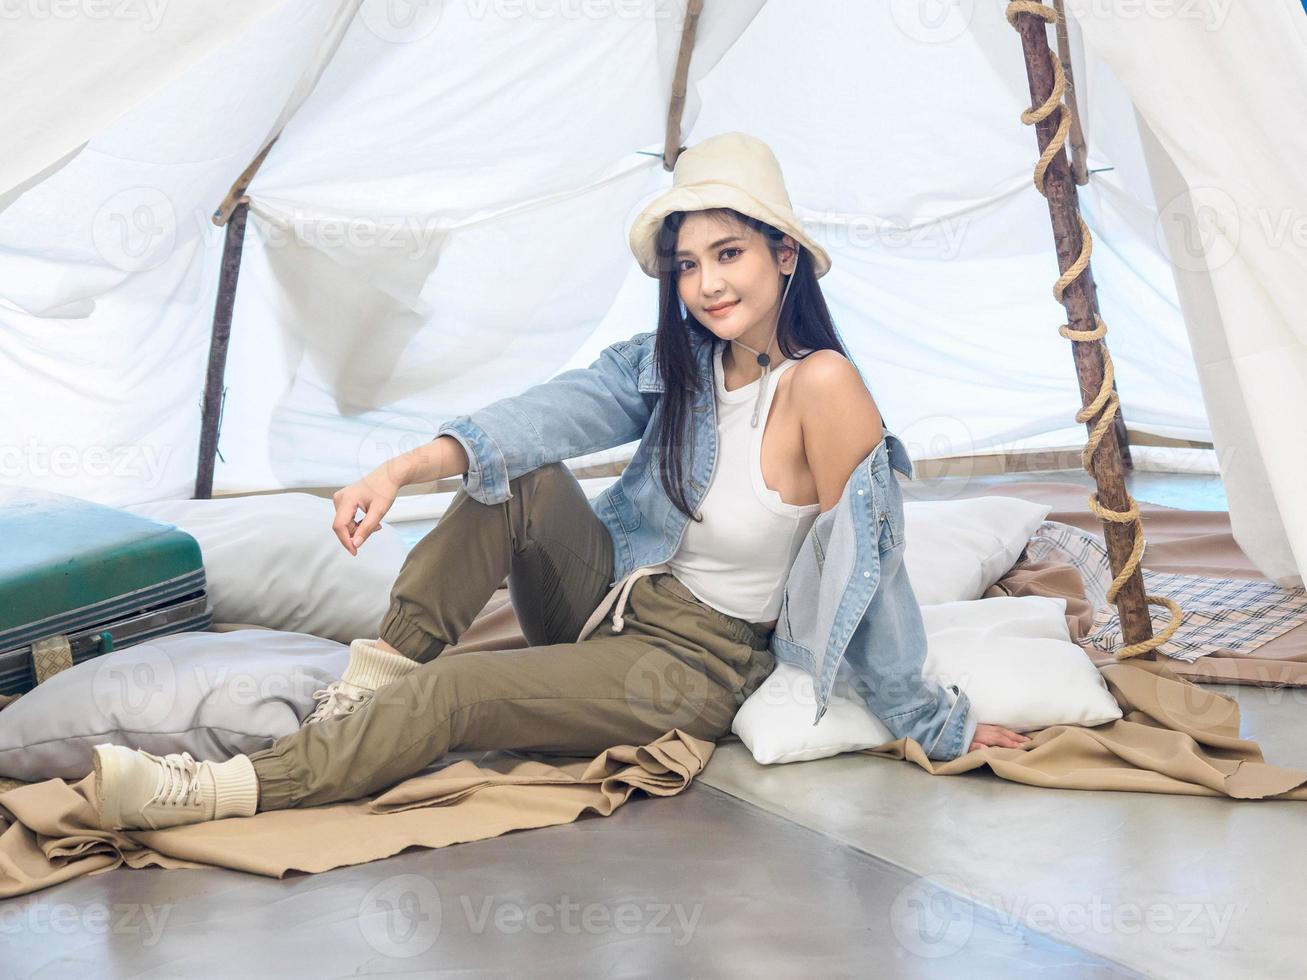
(1167, 885)
(850, 866)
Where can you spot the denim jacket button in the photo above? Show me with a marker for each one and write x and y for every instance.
(866, 574)
(860, 492)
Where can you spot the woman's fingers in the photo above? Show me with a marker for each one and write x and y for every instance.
(996, 736)
(365, 529)
(344, 525)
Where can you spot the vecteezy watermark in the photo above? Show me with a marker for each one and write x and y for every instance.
(405, 235)
(401, 21)
(933, 916)
(1204, 227)
(1209, 920)
(392, 438)
(932, 21)
(406, 21)
(941, 238)
(135, 692)
(40, 918)
(139, 228)
(141, 463)
(136, 229)
(401, 916)
(1212, 13)
(662, 691)
(149, 13)
(1199, 228)
(244, 688)
(574, 918)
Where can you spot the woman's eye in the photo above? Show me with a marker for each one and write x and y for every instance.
(680, 266)
(725, 250)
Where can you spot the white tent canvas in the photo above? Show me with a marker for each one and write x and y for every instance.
(442, 221)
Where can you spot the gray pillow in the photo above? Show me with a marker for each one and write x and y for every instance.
(214, 695)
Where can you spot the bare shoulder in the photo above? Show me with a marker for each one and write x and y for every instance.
(826, 379)
(839, 418)
(824, 368)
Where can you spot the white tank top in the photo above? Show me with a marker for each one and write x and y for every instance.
(738, 558)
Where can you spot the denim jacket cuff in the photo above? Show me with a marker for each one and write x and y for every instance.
(486, 480)
(958, 730)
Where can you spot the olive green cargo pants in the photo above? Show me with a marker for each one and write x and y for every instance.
(678, 662)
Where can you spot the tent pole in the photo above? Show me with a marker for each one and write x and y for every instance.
(676, 107)
(1075, 289)
(1079, 148)
(232, 213)
(1080, 171)
(214, 391)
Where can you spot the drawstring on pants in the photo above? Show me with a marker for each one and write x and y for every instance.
(621, 592)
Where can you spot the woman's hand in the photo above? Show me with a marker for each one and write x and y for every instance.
(997, 735)
(373, 495)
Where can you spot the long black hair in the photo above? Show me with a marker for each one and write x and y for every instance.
(805, 324)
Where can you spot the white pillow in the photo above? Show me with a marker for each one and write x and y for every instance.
(1016, 662)
(1012, 656)
(1038, 616)
(956, 549)
(776, 721)
(214, 695)
(272, 560)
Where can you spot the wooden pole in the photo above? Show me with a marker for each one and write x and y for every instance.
(1079, 147)
(1080, 300)
(231, 212)
(214, 389)
(1080, 171)
(676, 107)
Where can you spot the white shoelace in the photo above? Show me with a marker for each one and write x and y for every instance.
(334, 699)
(179, 781)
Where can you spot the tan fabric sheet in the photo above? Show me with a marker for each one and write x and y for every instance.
(51, 831)
(1173, 737)
(1189, 542)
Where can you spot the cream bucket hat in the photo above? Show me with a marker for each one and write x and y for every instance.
(730, 170)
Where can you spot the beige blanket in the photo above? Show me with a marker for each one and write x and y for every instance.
(51, 831)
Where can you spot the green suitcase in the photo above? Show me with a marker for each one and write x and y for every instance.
(79, 579)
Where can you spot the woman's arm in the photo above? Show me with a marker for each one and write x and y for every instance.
(439, 459)
(575, 413)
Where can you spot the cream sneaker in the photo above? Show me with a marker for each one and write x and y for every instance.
(370, 668)
(139, 791)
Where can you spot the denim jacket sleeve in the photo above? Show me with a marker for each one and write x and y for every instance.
(584, 410)
(848, 602)
(888, 648)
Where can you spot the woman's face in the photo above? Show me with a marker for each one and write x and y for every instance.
(728, 278)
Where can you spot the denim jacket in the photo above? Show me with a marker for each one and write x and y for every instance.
(847, 597)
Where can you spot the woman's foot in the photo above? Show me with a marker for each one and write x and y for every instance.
(372, 665)
(139, 791)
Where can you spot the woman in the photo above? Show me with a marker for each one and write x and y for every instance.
(695, 595)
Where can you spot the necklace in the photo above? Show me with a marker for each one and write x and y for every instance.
(764, 359)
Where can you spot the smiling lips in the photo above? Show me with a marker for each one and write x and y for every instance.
(720, 310)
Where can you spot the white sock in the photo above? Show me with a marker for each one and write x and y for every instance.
(233, 790)
(371, 668)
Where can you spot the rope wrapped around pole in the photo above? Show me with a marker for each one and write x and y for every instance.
(1105, 405)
